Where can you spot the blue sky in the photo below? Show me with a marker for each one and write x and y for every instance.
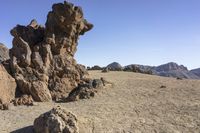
(150, 32)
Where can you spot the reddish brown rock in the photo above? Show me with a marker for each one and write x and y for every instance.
(57, 120)
(42, 58)
(7, 86)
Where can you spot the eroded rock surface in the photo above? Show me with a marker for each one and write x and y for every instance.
(57, 120)
(4, 52)
(7, 87)
(42, 58)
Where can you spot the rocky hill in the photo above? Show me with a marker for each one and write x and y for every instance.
(196, 72)
(115, 66)
(174, 70)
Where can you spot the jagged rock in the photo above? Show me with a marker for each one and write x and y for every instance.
(57, 120)
(23, 100)
(42, 58)
(87, 90)
(4, 53)
(7, 86)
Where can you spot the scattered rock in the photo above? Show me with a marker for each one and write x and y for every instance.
(163, 86)
(42, 58)
(23, 100)
(57, 120)
(178, 78)
(87, 90)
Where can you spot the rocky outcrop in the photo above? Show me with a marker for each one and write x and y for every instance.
(138, 69)
(114, 67)
(7, 86)
(42, 58)
(57, 120)
(4, 53)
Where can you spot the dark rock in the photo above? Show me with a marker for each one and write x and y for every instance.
(57, 120)
(87, 90)
(42, 58)
(163, 86)
(114, 67)
(4, 106)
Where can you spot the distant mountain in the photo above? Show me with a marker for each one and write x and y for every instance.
(196, 72)
(171, 66)
(4, 52)
(174, 70)
(170, 69)
(115, 66)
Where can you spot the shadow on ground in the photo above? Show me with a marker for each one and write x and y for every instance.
(28, 129)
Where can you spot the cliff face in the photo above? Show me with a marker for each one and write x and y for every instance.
(42, 58)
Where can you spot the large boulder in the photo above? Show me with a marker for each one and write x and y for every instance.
(42, 58)
(57, 120)
(7, 86)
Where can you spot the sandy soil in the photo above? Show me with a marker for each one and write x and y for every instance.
(136, 104)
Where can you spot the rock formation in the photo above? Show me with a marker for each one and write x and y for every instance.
(7, 87)
(4, 52)
(57, 120)
(42, 58)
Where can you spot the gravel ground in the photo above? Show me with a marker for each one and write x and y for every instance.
(135, 104)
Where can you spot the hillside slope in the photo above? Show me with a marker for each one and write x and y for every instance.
(136, 103)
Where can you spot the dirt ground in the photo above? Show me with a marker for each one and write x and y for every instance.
(135, 104)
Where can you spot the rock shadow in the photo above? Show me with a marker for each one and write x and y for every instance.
(28, 129)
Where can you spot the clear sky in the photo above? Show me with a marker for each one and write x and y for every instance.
(150, 32)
